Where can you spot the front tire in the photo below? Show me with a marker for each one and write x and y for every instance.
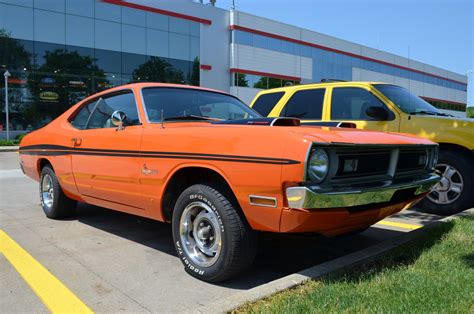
(454, 192)
(55, 203)
(212, 239)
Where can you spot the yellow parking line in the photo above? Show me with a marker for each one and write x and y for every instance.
(53, 293)
(398, 225)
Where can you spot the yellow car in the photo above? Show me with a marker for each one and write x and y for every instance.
(390, 108)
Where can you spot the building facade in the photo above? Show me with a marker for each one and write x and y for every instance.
(61, 51)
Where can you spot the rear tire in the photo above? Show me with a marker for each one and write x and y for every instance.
(55, 203)
(454, 193)
(212, 238)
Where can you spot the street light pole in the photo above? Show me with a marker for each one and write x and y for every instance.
(7, 75)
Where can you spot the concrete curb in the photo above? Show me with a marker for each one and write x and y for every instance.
(318, 271)
(8, 149)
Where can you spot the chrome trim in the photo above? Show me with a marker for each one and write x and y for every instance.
(305, 197)
(274, 199)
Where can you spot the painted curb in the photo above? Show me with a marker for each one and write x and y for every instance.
(8, 149)
(365, 255)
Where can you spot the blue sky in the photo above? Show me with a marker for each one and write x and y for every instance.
(439, 32)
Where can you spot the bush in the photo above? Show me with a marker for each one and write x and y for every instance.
(9, 143)
(19, 137)
(470, 112)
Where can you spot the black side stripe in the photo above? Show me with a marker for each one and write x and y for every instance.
(56, 150)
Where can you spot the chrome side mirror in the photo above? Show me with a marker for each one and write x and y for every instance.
(118, 119)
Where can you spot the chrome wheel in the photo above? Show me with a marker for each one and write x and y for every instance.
(47, 191)
(449, 188)
(200, 234)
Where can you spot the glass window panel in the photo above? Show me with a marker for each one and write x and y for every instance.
(274, 44)
(338, 72)
(85, 60)
(79, 30)
(337, 58)
(157, 43)
(274, 82)
(82, 116)
(132, 62)
(108, 61)
(241, 80)
(25, 3)
(50, 5)
(306, 51)
(287, 47)
(260, 41)
(157, 21)
(180, 26)
(107, 80)
(133, 16)
(108, 12)
(243, 38)
(49, 27)
(194, 48)
(80, 7)
(16, 54)
(100, 118)
(265, 103)
(133, 39)
(352, 104)
(260, 82)
(46, 56)
(305, 104)
(107, 35)
(179, 46)
(17, 21)
(195, 29)
(179, 72)
(347, 73)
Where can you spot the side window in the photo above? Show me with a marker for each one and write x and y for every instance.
(80, 120)
(305, 104)
(106, 106)
(265, 103)
(350, 103)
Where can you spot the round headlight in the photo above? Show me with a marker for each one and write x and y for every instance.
(318, 165)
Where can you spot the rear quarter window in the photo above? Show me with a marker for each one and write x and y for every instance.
(266, 102)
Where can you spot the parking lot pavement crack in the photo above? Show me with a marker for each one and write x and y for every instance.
(82, 264)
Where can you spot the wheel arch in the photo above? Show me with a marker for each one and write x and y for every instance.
(41, 163)
(188, 175)
(455, 147)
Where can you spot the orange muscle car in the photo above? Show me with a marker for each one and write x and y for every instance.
(218, 171)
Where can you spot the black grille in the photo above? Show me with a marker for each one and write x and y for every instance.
(368, 163)
(412, 160)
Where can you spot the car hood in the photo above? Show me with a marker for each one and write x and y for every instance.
(355, 136)
(440, 129)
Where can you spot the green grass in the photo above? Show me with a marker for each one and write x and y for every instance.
(434, 273)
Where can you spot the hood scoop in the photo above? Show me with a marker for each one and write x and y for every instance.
(263, 121)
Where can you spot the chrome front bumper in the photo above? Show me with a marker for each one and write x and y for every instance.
(307, 197)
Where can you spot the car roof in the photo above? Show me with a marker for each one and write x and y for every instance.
(316, 85)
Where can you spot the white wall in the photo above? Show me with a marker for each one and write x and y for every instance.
(246, 94)
(263, 60)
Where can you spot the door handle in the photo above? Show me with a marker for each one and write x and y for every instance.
(76, 141)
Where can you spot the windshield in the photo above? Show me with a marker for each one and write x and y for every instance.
(193, 104)
(405, 100)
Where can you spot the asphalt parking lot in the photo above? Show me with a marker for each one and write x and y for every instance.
(118, 262)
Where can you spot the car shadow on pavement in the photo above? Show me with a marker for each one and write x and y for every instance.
(278, 254)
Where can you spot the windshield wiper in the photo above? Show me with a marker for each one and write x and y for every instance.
(190, 117)
(432, 113)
